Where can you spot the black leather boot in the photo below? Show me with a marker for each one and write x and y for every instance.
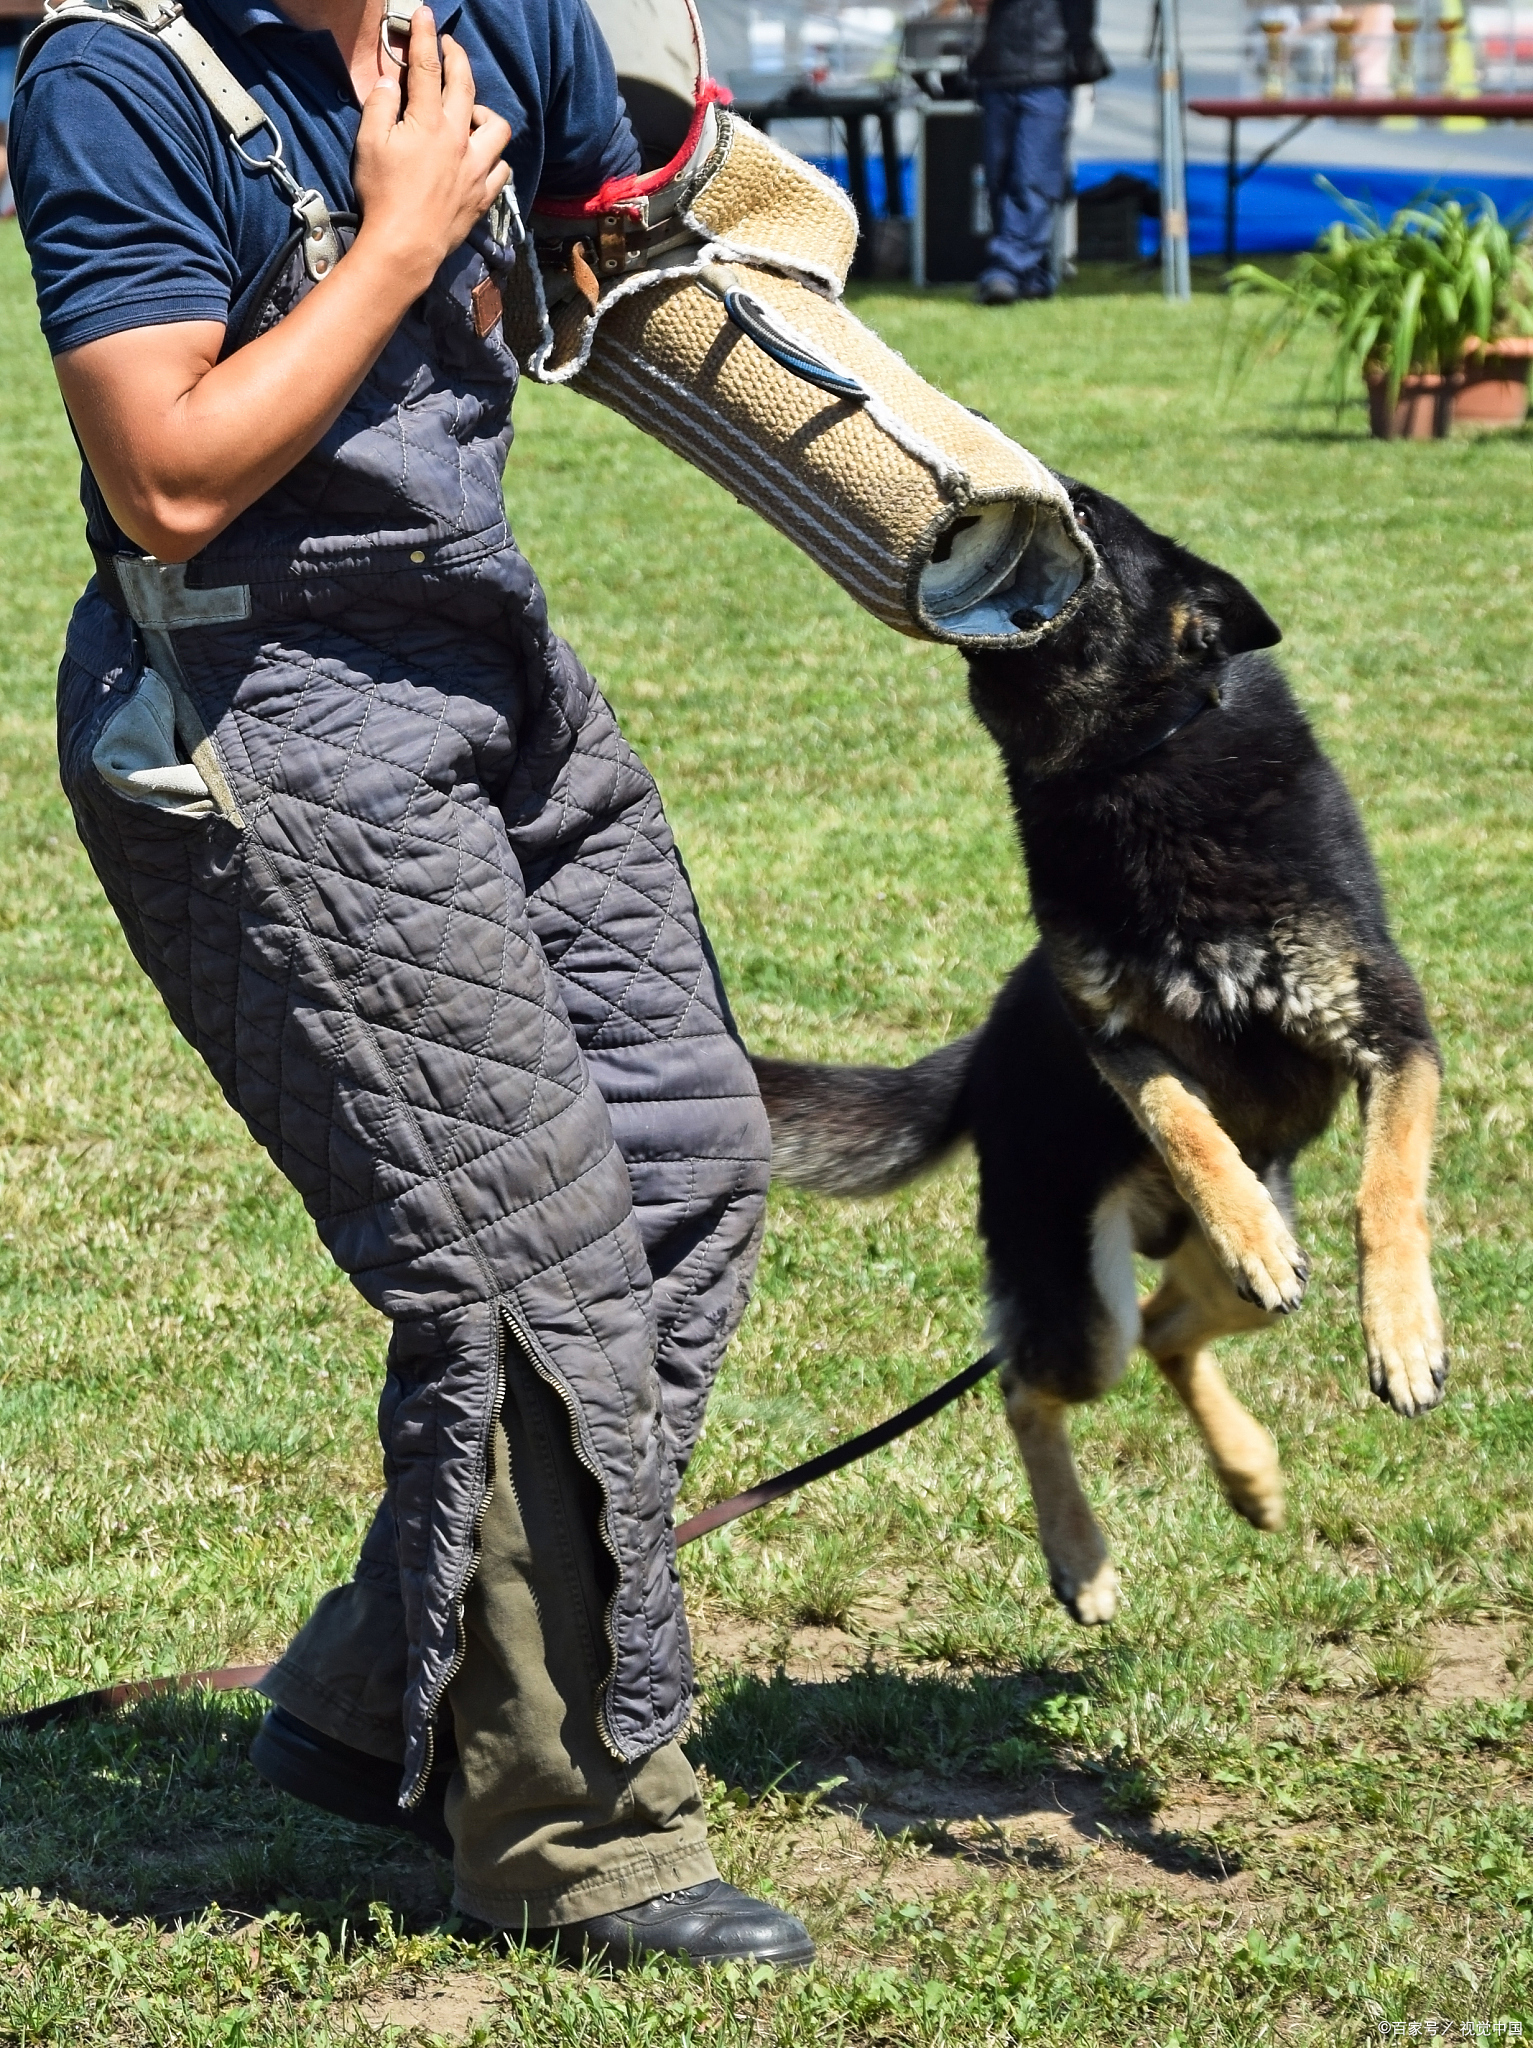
(706, 1923)
(296, 1758)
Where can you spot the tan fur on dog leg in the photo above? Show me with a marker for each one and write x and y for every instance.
(1402, 1326)
(1080, 1570)
(1240, 1450)
(1239, 1217)
(1195, 1303)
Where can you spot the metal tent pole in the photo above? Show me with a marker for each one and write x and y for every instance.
(1175, 261)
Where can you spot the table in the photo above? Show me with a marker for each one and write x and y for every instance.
(851, 109)
(1498, 106)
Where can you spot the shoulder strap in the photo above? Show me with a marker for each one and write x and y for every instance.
(240, 117)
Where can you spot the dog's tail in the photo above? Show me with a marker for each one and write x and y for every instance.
(864, 1130)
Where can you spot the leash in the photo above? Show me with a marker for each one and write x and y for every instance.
(109, 1699)
(843, 1455)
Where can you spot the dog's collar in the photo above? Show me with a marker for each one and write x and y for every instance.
(1209, 698)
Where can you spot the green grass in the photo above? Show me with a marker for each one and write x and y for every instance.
(1286, 1796)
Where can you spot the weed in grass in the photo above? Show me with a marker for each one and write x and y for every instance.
(1133, 1791)
(823, 1588)
(1444, 1537)
(982, 1622)
(1018, 1758)
(1064, 1717)
(1339, 1524)
(1397, 1666)
(1491, 1724)
(1332, 1607)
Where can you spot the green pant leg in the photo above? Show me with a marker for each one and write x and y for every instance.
(344, 1671)
(550, 1828)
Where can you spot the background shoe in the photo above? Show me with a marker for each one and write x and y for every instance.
(296, 1758)
(707, 1923)
(997, 288)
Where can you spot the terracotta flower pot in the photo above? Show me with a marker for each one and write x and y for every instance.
(1488, 389)
(1495, 387)
(1423, 411)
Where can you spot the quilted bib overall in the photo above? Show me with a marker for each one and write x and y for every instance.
(420, 912)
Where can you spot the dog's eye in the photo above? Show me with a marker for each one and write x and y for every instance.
(1083, 515)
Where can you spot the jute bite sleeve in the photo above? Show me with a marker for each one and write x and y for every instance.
(703, 303)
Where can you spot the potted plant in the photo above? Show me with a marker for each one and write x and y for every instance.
(1432, 311)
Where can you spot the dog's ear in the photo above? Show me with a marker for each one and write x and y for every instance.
(1226, 619)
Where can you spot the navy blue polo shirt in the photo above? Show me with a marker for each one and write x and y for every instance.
(136, 211)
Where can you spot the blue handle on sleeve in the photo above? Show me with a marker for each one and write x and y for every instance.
(760, 324)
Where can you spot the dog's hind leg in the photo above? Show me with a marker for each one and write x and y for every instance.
(1241, 1452)
(1080, 1570)
(1071, 1356)
(1195, 1303)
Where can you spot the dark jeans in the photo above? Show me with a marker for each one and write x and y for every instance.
(1027, 134)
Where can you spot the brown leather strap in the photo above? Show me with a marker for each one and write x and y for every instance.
(236, 1677)
(108, 1699)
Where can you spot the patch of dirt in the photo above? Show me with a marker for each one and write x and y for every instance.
(835, 1854)
(822, 1653)
(1057, 1823)
(1469, 1662)
(722, 1643)
(446, 2007)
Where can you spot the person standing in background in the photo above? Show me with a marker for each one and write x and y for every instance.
(16, 17)
(1034, 54)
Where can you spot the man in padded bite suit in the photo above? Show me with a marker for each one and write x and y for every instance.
(375, 836)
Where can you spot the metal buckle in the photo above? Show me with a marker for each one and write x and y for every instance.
(616, 241)
(394, 29)
(615, 231)
(321, 243)
(274, 166)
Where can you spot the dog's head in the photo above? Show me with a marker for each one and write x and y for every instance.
(1152, 632)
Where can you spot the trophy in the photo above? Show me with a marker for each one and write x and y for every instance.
(1344, 77)
(1460, 72)
(1274, 28)
(1407, 28)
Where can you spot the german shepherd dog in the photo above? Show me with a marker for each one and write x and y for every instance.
(1215, 967)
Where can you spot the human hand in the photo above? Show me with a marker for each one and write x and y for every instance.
(425, 175)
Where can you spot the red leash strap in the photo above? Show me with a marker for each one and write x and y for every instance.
(109, 1699)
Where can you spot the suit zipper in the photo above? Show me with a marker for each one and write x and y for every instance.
(586, 1457)
(418, 1790)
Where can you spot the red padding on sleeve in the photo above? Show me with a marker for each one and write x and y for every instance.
(616, 190)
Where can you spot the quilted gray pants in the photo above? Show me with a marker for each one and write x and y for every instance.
(440, 952)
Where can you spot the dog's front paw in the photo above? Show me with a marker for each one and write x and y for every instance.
(1256, 1247)
(1091, 1600)
(1403, 1333)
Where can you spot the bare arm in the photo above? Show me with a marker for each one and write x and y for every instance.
(181, 443)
